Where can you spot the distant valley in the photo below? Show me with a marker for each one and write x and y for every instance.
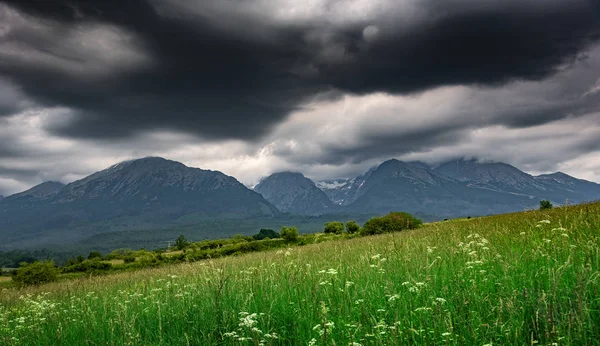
(154, 197)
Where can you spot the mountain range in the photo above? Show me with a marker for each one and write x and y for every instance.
(450, 189)
(155, 193)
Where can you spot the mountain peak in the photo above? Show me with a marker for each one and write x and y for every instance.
(42, 190)
(288, 174)
(293, 192)
(145, 163)
(559, 175)
(497, 176)
(392, 162)
(133, 194)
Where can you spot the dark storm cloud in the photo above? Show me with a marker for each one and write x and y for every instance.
(199, 76)
(487, 46)
(391, 145)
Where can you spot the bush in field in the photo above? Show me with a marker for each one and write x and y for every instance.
(88, 266)
(334, 227)
(352, 227)
(240, 238)
(545, 205)
(289, 234)
(118, 254)
(392, 222)
(35, 273)
(266, 233)
(71, 261)
(129, 259)
(148, 259)
(94, 254)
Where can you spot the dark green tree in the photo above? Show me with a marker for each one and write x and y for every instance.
(266, 233)
(181, 243)
(545, 204)
(334, 227)
(289, 234)
(352, 227)
(35, 273)
(71, 261)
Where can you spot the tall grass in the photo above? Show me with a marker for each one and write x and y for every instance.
(517, 279)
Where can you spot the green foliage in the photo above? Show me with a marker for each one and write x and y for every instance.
(35, 273)
(240, 238)
(289, 234)
(88, 266)
(148, 259)
(201, 253)
(181, 243)
(129, 259)
(392, 222)
(71, 261)
(94, 254)
(352, 227)
(118, 254)
(266, 233)
(12, 259)
(545, 205)
(334, 227)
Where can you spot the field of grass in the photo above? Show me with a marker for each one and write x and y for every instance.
(518, 279)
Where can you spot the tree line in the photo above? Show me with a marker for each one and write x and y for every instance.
(40, 272)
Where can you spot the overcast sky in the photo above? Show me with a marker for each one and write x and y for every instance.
(325, 87)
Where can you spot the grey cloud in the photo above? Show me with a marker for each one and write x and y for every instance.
(239, 74)
(275, 82)
(539, 123)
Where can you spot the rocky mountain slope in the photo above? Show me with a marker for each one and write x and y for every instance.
(38, 192)
(294, 193)
(344, 191)
(149, 192)
(454, 188)
(154, 193)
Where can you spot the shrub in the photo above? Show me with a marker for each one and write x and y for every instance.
(181, 243)
(35, 273)
(88, 266)
(289, 234)
(118, 254)
(240, 238)
(129, 259)
(334, 227)
(71, 261)
(392, 222)
(94, 254)
(545, 204)
(352, 227)
(147, 258)
(266, 233)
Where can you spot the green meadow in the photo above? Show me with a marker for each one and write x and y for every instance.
(530, 278)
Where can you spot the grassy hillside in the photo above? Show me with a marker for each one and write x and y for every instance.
(524, 278)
